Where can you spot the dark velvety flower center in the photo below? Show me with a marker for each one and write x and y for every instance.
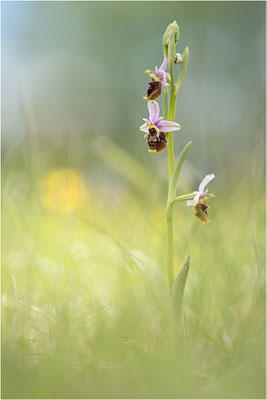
(203, 207)
(157, 142)
(152, 131)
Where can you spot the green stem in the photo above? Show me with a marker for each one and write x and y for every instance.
(169, 220)
(166, 106)
(173, 99)
(172, 190)
(170, 134)
(170, 154)
(169, 211)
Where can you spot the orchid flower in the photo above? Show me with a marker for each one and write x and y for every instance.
(159, 78)
(156, 121)
(199, 201)
(160, 74)
(155, 128)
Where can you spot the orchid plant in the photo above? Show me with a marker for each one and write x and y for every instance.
(159, 136)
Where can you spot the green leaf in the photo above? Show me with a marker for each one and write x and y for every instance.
(166, 103)
(176, 173)
(177, 293)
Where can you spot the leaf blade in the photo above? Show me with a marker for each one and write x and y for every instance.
(176, 173)
(176, 302)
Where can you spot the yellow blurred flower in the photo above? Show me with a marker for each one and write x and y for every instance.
(63, 191)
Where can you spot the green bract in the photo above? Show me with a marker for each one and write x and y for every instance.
(171, 50)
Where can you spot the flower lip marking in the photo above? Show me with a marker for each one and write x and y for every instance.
(154, 90)
(199, 201)
(153, 130)
(201, 212)
(157, 142)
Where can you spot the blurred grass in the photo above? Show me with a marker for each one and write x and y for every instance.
(84, 299)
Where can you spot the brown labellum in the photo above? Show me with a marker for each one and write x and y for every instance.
(154, 90)
(201, 212)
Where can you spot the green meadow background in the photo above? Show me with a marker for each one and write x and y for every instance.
(85, 304)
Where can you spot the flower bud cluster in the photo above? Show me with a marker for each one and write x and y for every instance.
(170, 39)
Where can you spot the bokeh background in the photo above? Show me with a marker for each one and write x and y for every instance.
(84, 298)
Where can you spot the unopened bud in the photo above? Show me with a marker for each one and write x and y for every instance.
(173, 27)
(178, 58)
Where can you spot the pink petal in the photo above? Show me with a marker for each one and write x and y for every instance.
(153, 109)
(164, 64)
(205, 181)
(168, 126)
(157, 121)
(161, 75)
(144, 128)
(190, 203)
(194, 201)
